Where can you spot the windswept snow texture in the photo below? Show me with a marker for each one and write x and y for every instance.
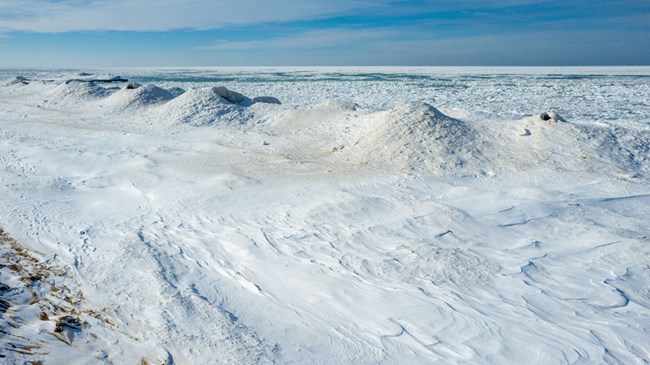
(353, 216)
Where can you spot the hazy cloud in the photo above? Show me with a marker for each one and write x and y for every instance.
(408, 47)
(309, 40)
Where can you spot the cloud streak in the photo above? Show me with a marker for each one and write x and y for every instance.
(55, 16)
(162, 15)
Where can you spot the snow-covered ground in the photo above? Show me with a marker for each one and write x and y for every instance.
(372, 217)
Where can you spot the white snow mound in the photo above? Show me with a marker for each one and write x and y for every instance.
(74, 92)
(550, 141)
(138, 96)
(200, 106)
(417, 135)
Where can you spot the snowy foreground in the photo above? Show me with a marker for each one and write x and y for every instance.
(201, 226)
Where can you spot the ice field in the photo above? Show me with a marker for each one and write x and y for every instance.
(325, 216)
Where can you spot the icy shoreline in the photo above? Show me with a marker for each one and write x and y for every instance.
(228, 231)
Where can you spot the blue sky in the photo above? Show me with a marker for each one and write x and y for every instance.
(108, 33)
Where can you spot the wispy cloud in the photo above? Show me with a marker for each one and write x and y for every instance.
(160, 15)
(354, 32)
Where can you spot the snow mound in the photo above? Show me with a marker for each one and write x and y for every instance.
(138, 96)
(621, 151)
(202, 106)
(74, 92)
(417, 135)
(549, 140)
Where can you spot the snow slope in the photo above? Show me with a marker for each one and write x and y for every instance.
(194, 229)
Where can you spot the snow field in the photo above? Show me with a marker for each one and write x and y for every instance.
(217, 232)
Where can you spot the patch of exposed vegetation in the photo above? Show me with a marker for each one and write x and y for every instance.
(36, 294)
